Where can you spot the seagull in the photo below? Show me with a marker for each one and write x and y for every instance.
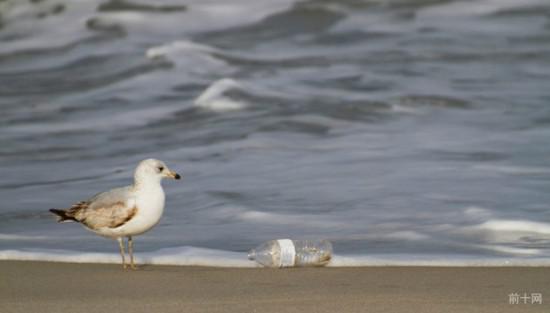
(126, 211)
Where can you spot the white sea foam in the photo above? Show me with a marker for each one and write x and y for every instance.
(194, 58)
(192, 256)
(176, 47)
(520, 226)
(432, 260)
(462, 8)
(213, 97)
(510, 250)
(514, 237)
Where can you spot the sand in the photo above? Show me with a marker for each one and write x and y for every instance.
(63, 287)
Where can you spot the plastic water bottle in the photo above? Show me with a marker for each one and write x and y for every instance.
(288, 253)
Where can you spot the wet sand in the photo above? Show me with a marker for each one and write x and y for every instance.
(64, 287)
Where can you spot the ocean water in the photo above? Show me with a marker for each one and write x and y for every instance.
(406, 132)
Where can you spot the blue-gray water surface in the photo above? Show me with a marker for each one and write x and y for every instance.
(388, 127)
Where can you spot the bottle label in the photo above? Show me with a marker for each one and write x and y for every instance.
(288, 252)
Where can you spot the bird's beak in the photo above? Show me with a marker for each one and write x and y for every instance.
(173, 175)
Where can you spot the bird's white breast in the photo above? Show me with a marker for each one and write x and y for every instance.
(150, 206)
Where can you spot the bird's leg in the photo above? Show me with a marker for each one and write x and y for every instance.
(121, 246)
(131, 252)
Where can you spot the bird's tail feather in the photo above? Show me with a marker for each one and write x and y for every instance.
(62, 216)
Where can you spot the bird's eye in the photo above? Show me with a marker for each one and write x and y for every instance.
(160, 168)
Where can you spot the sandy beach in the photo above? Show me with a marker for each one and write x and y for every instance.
(65, 287)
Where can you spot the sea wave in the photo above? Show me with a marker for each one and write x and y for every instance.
(214, 97)
(193, 58)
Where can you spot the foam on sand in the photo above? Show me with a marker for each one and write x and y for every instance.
(193, 256)
(189, 256)
(433, 260)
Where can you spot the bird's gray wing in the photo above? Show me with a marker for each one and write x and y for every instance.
(107, 209)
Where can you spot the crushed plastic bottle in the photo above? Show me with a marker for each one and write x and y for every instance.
(289, 253)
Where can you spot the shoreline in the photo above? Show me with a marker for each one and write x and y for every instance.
(196, 256)
(30, 286)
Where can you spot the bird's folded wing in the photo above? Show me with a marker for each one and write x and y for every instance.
(108, 209)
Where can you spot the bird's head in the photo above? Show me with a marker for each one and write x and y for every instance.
(154, 169)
